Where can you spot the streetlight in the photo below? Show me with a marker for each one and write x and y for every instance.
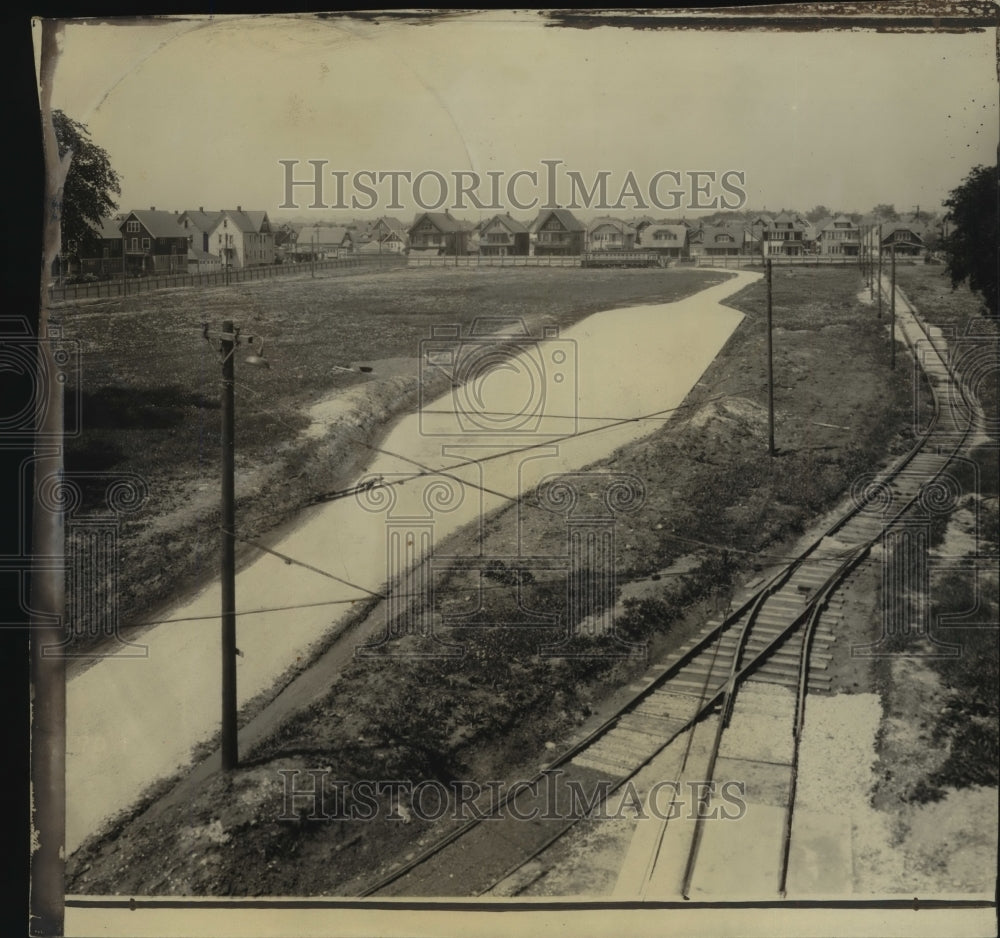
(229, 338)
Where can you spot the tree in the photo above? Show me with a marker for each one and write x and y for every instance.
(971, 244)
(818, 213)
(90, 184)
(885, 212)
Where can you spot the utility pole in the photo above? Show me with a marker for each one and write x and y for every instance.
(880, 271)
(770, 369)
(892, 312)
(230, 755)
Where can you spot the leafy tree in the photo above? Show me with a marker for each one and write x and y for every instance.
(817, 213)
(885, 212)
(971, 245)
(90, 184)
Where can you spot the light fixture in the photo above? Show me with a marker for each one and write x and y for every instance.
(257, 358)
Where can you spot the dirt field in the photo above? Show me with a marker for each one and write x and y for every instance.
(715, 501)
(149, 394)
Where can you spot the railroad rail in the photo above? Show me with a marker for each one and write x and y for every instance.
(775, 634)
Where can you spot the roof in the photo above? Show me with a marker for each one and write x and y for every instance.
(110, 228)
(204, 221)
(159, 224)
(709, 233)
(393, 224)
(680, 232)
(511, 224)
(621, 226)
(914, 228)
(247, 222)
(443, 221)
(321, 235)
(565, 217)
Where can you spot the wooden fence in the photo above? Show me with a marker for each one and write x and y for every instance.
(224, 277)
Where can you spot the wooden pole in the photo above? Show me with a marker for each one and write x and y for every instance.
(770, 368)
(230, 756)
(892, 312)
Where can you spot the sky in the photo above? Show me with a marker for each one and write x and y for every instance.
(199, 112)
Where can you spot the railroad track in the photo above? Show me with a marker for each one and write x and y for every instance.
(777, 636)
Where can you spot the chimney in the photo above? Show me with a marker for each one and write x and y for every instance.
(239, 208)
(152, 208)
(201, 208)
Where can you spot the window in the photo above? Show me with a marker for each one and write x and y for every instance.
(135, 244)
(145, 244)
(132, 226)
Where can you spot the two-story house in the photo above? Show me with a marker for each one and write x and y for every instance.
(504, 236)
(242, 239)
(610, 234)
(838, 236)
(153, 242)
(439, 233)
(785, 235)
(558, 231)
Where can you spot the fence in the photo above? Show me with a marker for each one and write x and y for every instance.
(224, 277)
(479, 260)
(780, 260)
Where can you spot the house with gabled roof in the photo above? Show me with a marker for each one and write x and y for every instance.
(438, 233)
(557, 231)
(198, 224)
(242, 238)
(905, 238)
(837, 237)
(385, 235)
(717, 241)
(668, 240)
(610, 234)
(785, 235)
(504, 236)
(153, 242)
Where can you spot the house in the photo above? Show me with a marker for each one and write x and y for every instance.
(242, 239)
(154, 242)
(503, 236)
(669, 240)
(558, 231)
(385, 235)
(786, 235)
(610, 234)
(717, 241)
(904, 238)
(439, 233)
(199, 225)
(838, 237)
